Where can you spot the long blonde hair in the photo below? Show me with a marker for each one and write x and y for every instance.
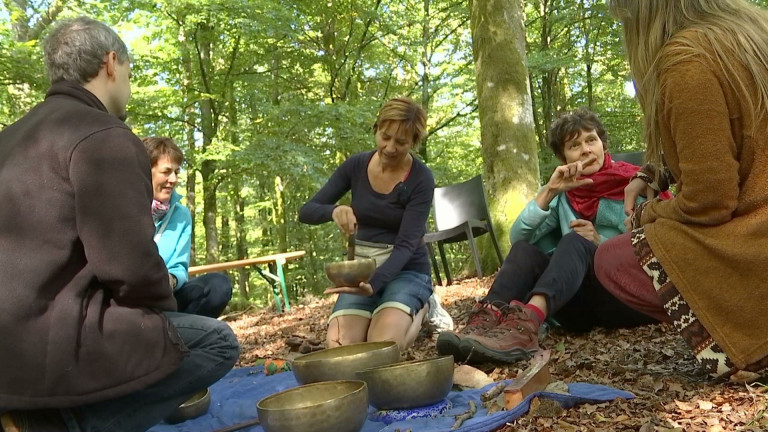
(727, 26)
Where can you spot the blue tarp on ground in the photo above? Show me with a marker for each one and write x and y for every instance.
(234, 398)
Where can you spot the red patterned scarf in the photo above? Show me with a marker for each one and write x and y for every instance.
(609, 182)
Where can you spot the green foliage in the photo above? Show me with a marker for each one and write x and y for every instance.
(267, 97)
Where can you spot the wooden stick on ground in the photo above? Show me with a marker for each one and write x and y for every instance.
(493, 392)
(461, 418)
(239, 426)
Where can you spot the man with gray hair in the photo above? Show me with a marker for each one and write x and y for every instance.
(89, 336)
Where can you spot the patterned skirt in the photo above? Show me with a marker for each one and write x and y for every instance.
(709, 354)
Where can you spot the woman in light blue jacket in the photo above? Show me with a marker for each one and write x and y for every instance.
(549, 270)
(205, 295)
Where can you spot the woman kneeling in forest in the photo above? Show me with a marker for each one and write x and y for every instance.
(391, 199)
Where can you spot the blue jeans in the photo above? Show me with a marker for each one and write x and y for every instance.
(213, 352)
(205, 295)
(408, 291)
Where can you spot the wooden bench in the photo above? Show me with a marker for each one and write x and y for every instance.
(274, 273)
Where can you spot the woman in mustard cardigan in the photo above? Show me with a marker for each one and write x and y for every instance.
(700, 68)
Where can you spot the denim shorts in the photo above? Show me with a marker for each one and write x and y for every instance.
(409, 291)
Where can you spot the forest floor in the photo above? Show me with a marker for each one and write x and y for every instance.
(652, 362)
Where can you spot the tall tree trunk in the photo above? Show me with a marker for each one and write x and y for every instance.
(586, 31)
(279, 215)
(507, 131)
(549, 105)
(225, 245)
(241, 233)
(425, 77)
(190, 119)
(209, 126)
(279, 202)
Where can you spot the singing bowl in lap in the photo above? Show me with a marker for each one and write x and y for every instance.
(194, 407)
(327, 406)
(409, 384)
(342, 362)
(350, 273)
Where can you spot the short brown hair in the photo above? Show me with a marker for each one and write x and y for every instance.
(160, 146)
(408, 113)
(569, 125)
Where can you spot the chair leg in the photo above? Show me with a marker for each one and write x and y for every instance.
(473, 248)
(434, 263)
(445, 263)
(496, 246)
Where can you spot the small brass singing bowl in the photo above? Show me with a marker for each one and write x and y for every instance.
(338, 406)
(350, 273)
(194, 407)
(409, 384)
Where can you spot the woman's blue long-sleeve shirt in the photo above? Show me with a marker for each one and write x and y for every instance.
(398, 218)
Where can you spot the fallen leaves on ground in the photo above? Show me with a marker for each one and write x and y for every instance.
(652, 362)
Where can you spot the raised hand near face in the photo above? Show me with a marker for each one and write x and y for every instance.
(564, 178)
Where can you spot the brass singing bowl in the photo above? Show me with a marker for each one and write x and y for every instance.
(342, 362)
(350, 273)
(409, 384)
(194, 407)
(328, 406)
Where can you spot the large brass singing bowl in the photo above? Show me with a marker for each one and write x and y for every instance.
(338, 406)
(350, 273)
(342, 362)
(409, 384)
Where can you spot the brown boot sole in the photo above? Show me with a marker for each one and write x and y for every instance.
(449, 343)
(475, 352)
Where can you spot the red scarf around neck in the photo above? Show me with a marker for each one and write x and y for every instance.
(609, 182)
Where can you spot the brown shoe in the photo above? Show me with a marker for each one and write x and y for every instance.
(515, 338)
(482, 318)
(32, 421)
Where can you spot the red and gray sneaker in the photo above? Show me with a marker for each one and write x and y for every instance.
(515, 338)
(482, 318)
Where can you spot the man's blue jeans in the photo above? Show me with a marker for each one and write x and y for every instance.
(213, 352)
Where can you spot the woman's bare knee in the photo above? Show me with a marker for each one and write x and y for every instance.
(347, 329)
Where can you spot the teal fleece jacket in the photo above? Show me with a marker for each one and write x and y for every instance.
(174, 239)
(545, 228)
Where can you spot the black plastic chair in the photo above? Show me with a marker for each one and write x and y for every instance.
(461, 214)
(635, 158)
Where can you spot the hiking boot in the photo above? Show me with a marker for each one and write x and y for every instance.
(516, 337)
(32, 421)
(482, 318)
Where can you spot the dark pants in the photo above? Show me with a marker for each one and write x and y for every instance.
(205, 295)
(213, 351)
(575, 297)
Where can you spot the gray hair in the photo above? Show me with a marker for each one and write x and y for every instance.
(75, 49)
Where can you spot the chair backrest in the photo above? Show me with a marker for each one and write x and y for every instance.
(635, 158)
(457, 203)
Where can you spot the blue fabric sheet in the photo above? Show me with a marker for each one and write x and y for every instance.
(234, 398)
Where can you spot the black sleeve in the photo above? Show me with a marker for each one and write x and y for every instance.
(412, 229)
(319, 209)
(110, 174)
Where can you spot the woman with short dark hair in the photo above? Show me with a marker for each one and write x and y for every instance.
(207, 294)
(548, 273)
